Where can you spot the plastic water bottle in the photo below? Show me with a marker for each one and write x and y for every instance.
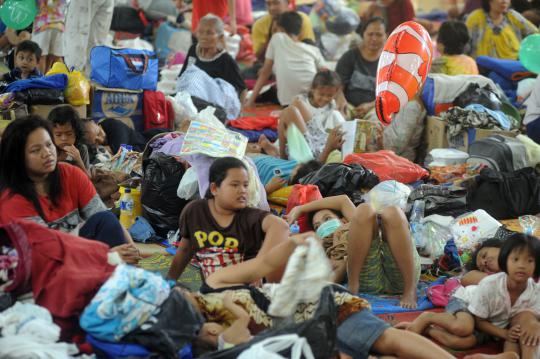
(417, 214)
(126, 209)
(295, 228)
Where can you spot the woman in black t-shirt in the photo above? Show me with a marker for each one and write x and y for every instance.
(209, 54)
(221, 230)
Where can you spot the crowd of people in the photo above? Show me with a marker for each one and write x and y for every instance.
(48, 172)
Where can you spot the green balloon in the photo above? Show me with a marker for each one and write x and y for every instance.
(529, 53)
(18, 14)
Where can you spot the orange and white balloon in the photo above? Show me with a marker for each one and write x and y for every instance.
(402, 69)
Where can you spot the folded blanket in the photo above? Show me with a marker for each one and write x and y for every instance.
(58, 81)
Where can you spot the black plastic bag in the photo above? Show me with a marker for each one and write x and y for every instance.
(480, 95)
(506, 195)
(201, 104)
(40, 96)
(335, 179)
(177, 324)
(320, 331)
(161, 206)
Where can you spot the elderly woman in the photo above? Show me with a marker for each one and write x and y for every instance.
(358, 66)
(210, 56)
(497, 31)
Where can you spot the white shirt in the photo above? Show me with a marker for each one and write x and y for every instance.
(533, 104)
(491, 300)
(295, 65)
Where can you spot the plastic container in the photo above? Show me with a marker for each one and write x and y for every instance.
(417, 230)
(136, 196)
(126, 209)
(447, 157)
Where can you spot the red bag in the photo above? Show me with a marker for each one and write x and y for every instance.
(440, 294)
(302, 194)
(155, 111)
(388, 166)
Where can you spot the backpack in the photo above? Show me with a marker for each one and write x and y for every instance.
(155, 111)
(501, 153)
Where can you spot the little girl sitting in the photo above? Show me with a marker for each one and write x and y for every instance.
(316, 116)
(507, 304)
(455, 327)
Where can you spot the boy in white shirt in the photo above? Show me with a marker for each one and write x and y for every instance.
(294, 63)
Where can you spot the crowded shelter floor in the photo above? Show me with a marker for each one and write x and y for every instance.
(269, 179)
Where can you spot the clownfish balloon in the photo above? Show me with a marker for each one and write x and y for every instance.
(402, 69)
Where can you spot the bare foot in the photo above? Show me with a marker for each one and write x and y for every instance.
(507, 355)
(408, 300)
(268, 147)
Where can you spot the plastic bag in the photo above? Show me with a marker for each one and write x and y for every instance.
(207, 117)
(302, 194)
(334, 179)
(281, 196)
(271, 347)
(388, 193)
(77, 91)
(472, 228)
(232, 44)
(320, 331)
(184, 99)
(435, 239)
(297, 145)
(479, 95)
(389, 166)
(161, 205)
(189, 185)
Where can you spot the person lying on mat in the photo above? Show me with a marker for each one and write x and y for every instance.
(221, 230)
(113, 133)
(454, 328)
(375, 251)
(35, 186)
(359, 334)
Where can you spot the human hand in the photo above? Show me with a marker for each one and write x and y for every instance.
(335, 139)
(293, 215)
(128, 252)
(514, 333)
(530, 335)
(73, 152)
(228, 298)
(249, 102)
(274, 184)
(363, 109)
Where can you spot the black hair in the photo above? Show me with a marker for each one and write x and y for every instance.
(29, 46)
(362, 27)
(486, 6)
(304, 169)
(219, 170)
(326, 78)
(491, 242)
(291, 22)
(13, 174)
(312, 214)
(63, 114)
(454, 36)
(520, 241)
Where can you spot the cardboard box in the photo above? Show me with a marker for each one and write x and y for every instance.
(121, 104)
(435, 135)
(44, 110)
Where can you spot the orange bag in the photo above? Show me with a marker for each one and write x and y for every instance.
(388, 166)
(302, 194)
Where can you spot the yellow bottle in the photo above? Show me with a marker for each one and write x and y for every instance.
(126, 209)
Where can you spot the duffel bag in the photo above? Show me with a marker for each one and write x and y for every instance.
(124, 68)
